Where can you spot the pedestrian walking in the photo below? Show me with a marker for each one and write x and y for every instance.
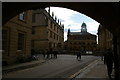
(48, 53)
(51, 52)
(78, 55)
(55, 52)
(109, 61)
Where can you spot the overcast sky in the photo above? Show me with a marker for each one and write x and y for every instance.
(73, 20)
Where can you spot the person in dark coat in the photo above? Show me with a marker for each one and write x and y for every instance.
(51, 52)
(109, 61)
(78, 55)
(55, 52)
(48, 53)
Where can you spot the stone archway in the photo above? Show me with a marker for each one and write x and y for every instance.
(105, 13)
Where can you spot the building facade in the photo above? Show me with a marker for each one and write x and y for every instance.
(105, 39)
(16, 38)
(47, 31)
(81, 41)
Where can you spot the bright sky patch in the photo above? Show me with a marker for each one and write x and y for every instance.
(73, 20)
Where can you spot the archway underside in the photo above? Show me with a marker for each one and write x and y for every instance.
(104, 13)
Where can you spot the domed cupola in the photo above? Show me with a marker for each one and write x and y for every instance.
(83, 27)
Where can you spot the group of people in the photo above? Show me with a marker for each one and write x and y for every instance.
(49, 53)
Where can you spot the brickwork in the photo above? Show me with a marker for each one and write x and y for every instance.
(104, 39)
(48, 33)
(14, 27)
(81, 41)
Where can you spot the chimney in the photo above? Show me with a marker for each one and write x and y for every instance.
(52, 14)
(68, 32)
(49, 10)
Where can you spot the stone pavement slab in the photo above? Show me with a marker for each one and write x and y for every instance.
(16, 67)
(97, 69)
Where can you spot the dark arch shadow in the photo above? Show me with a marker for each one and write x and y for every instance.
(105, 13)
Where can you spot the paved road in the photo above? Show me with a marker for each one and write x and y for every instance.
(96, 69)
(62, 67)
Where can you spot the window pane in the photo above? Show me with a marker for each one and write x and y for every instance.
(20, 41)
(51, 34)
(33, 18)
(32, 44)
(4, 39)
(22, 16)
(33, 30)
